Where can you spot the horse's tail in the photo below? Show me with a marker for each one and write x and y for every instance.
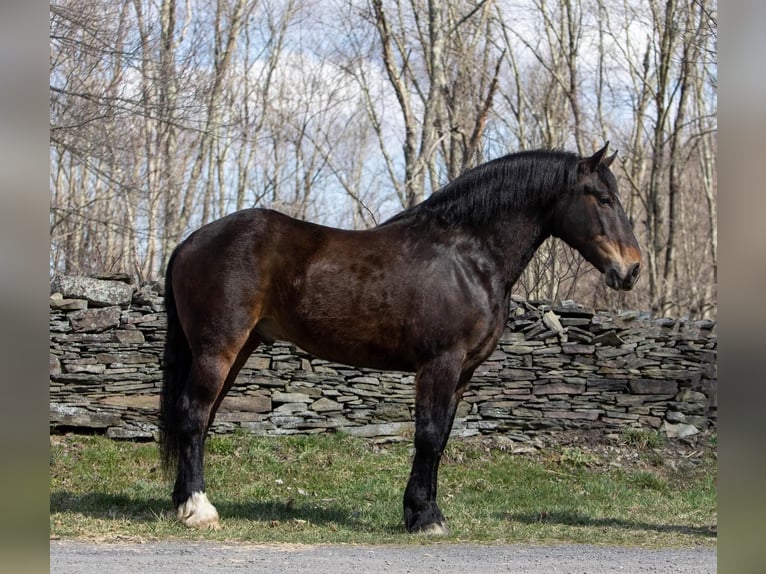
(177, 361)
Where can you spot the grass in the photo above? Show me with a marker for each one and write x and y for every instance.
(642, 438)
(338, 489)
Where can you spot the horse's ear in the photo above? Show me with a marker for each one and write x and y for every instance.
(607, 161)
(589, 164)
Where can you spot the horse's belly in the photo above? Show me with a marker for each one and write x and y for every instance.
(357, 342)
(349, 336)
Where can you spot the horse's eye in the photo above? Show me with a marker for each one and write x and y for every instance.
(605, 200)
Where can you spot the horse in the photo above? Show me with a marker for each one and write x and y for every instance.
(426, 291)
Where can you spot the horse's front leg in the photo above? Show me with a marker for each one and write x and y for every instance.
(437, 392)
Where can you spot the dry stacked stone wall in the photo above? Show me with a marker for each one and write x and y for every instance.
(558, 366)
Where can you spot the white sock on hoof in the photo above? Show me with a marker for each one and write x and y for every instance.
(197, 512)
(436, 530)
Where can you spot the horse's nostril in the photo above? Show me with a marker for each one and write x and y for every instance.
(635, 270)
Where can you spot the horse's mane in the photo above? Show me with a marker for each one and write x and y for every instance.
(528, 179)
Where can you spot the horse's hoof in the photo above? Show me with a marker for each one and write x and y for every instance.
(197, 512)
(438, 528)
(435, 529)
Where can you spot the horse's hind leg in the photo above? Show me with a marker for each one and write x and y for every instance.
(194, 407)
(437, 393)
(211, 376)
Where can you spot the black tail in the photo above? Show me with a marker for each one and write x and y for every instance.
(176, 366)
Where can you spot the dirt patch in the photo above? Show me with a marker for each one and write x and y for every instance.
(677, 459)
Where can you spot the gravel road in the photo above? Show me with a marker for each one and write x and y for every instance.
(198, 558)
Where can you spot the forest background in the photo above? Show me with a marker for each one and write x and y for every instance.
(166, 114)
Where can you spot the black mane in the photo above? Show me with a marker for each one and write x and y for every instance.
(528, 179)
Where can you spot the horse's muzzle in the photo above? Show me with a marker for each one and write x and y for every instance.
(623, 281)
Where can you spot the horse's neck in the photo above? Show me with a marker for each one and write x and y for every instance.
(514, 242)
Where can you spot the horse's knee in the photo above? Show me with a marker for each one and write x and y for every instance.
(209, 373)
(431, 437)
(197, 404)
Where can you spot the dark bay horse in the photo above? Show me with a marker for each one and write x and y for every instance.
(426, 292)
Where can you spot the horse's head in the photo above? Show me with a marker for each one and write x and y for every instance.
(590, 218)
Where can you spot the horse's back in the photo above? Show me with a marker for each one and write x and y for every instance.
(242, 230)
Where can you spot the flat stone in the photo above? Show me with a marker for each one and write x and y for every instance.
(325, 405)
(499, 405)
(558, 389)
(129, 433)
(301, 388)
(548, 350)
(60, 326)
(569, 308)
(574, 321)
(519, 349)
(74, 416)
(524, 412)
(247, 403)
(258, 363)
(290, 409)
(611, 352)
(675, 417)
(577, 334)
(590, 415)
(392, 412)
(285, 365)
(362, 392)
(324, 370)
(381, 429)
(517, 374)
(127, 357)
(84, 368)
(630, 400)
(128, 337)
(287, 422)
(577, 349)
(258, 428)
(130, 386)
(237, 417)
(67, 304)
(118, 276)
(654, 422)
(679, 430)
(608, 384)
(98, 292)
(652, 386)
(133, 401)
(620, 415)
(282, 397)
(365, 380)
(95, 320)
(689, 396)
